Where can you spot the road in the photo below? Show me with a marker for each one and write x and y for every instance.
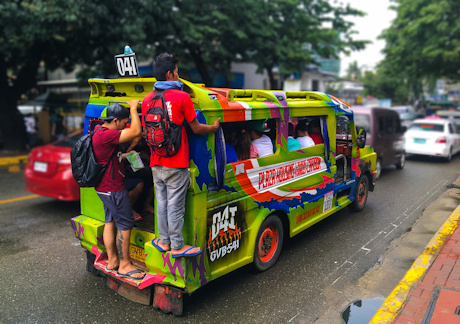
(44, 278)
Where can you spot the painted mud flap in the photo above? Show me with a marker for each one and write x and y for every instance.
(168, 299)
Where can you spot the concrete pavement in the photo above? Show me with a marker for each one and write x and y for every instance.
(430, 290)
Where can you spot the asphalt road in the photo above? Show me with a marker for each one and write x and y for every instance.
(44, 278)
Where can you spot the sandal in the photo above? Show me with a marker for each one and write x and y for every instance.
(137, 217)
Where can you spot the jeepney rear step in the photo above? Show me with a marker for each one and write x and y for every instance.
(137, 290)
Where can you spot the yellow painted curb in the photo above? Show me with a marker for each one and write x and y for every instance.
(12, 160)
(395, 301)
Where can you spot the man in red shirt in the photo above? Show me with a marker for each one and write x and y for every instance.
(112, 189)
(170, 174)
(314, 131)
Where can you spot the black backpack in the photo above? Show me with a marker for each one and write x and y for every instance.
(85, 169)
(163, 136)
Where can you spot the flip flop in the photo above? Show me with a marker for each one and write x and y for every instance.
(158, 246)
(150, 210)
(185, 254)
(110, 270)
(137, 217)
(129, 274)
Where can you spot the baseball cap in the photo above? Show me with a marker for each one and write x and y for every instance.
(259, 125)
(114, 111)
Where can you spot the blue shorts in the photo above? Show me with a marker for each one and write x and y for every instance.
(118, 209)
(132, 183)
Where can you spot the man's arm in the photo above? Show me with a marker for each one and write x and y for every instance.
(203, 129)
(135, 130)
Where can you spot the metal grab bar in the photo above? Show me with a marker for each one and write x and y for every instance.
(340, 156)
(120, 102)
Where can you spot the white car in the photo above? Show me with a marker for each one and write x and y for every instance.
(435, 137)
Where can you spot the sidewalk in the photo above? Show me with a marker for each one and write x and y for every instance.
(430, 290)
(13, 160)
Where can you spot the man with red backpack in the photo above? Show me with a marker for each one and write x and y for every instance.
(170, 169)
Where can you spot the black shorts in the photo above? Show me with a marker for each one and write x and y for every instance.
(118, 209)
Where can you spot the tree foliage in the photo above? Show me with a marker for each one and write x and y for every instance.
(423, 42)
(208, 34)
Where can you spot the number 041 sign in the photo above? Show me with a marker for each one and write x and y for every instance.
(127, 65)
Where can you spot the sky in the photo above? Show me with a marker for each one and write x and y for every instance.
(378, 17)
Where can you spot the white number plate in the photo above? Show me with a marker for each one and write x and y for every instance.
(40, 166)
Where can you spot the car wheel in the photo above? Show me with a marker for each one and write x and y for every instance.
(268, 243)
(402, 161)
(361, 195)
(378, 168)
(449, 156)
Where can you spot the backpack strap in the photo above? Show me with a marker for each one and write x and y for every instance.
(111, 157)
(160, 94)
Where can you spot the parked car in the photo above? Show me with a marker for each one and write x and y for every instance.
(434, 137)
(49, 171)
(408, 118)
(384, 134)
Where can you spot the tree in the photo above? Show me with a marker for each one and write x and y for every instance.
(354, 71)
(56, 33)
(423, 42)
(276, 33)
(382, 85)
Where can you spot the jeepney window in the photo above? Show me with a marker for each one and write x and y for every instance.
(342, 125)
(304, 132)
(249, 139)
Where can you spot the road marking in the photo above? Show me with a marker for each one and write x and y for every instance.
(391, 227)
(18, 199)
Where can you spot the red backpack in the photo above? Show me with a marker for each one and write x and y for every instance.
(163, 136)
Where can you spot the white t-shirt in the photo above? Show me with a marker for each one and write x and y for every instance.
(30, 124)
(305, 141)
(264, 145)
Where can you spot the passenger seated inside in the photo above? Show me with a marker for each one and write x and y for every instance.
(293, 144)
(245, 149)
(314, 130)
(302, 131)
(262, 142)
(230, 143)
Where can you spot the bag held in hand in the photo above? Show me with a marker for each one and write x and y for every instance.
(163, 135)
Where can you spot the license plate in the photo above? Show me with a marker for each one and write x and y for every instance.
(419, 140)
(136, 253)
(40, 166)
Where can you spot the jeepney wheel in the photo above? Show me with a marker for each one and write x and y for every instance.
(268, 243)
(361, 195)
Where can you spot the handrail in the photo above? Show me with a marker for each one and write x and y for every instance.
(253, 94)
(340, 156)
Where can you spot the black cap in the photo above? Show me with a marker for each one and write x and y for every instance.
(114, 111)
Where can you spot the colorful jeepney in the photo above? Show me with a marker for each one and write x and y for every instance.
(240, 212)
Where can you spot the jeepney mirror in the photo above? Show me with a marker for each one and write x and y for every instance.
(361, 138)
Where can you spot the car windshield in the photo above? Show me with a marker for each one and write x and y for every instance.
(410, 116)
(363, 121)
(427, 127)
(69, 141)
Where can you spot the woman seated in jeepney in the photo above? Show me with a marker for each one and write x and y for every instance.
(302, 131)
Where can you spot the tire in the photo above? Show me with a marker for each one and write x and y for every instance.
(378, 168)
(362, 191)
(268, 243)
(402, 161)
(449, 156)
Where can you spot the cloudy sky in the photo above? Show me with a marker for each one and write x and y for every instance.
(369, 27)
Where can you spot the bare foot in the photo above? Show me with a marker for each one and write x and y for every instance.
(165, 247)
(112, 264)
(194, 251)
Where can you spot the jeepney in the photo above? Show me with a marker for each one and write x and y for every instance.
(241, 212)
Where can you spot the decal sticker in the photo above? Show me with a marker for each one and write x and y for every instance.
(328, 198)
(224, 232)
(309, 213)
